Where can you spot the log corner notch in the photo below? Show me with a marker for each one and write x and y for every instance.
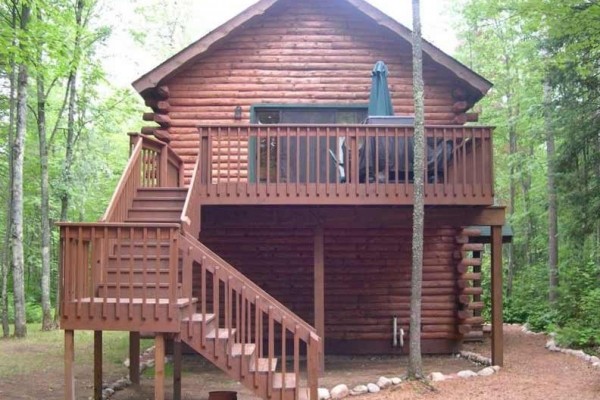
(157, 98)
(463, 101)
(470, 322)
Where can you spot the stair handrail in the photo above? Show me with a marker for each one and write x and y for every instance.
(134, 176)
(247, 291)
(190, 214)
(126, 188)
(188, 242)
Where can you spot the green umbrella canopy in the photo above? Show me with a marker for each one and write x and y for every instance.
(380, 101)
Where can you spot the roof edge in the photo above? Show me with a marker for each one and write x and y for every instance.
(153, 77)
(459, 69)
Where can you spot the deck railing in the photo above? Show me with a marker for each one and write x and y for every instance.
(120, 276)
(152, 163)
(353, 164)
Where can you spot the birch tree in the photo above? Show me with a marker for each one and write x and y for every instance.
(18, 148)
(415, 363)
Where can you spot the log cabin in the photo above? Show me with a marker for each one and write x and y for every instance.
(248, 226)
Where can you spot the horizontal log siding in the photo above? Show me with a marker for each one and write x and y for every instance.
(316, 52)
(367, 274)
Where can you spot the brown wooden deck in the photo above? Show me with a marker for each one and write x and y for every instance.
(295, 165)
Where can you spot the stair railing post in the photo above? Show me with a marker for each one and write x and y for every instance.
(314, 345)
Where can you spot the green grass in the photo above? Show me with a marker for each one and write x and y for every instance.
(41, 351)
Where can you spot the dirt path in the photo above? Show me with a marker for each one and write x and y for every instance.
(531, 372)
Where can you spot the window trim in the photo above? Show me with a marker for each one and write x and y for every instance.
(328, 106)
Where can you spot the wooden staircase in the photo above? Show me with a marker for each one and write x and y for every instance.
(142, 269)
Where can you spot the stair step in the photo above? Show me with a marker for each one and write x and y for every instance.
(278, 378)
(169, 202)
(223, 333)
(248, 348)
(161, 192)
(158, 220)
(263, 365)
(198, 318)
(151, 213)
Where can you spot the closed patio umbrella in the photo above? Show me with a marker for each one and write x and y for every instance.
(380, 101)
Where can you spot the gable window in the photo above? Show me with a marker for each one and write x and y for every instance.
(289, 156)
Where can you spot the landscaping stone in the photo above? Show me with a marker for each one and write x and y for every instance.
(384, 382)
(373, 388)
(466, 374)
(436, 377)
(324, 394)
(396, 381)
(358, 390)
(339, 392)
(487, 371)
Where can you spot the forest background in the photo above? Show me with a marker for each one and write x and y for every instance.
(63, 142)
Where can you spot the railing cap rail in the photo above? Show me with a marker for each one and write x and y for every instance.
(118, 225)
(343, 126)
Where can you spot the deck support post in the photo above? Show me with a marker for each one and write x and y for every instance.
(97, 365)
(177, 367)
(134, 358)
(69, 365)
(319, 291)
(497, 320)
(159, 366)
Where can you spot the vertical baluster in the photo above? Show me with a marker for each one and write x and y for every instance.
(242, 329)
(144, 273)
(216, 162)
(78, 271)
(258, 159)
(338, 177)
(464, 161)
(105, 278)
(96, 266)
(257, 338)
(173, 273)
(287, 161)
(271, 342)
(298, 141)
(307, 164)
(216, 307)
(318, 161)
(396, 161)
(119, 270)
(228, 318)
(268, 160)
(278, 160)
(228, 156)
(157, 285)
(475, 156)
(283, 355)
(130, 305)
(327, 160)
(297, 360)
(203, 300)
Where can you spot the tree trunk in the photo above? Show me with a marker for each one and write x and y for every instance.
(6, 261)
(47, 320)
(415, 363)
(18, 148)
(72, 83)
(552, 201)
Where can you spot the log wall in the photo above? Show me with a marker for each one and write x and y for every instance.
(311, 52)
(367, 276)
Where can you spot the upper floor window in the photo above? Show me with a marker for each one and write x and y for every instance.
(321, 114)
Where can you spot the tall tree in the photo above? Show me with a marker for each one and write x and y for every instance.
(552, 200)
(415, 363)
(6, 261)
(18, 148)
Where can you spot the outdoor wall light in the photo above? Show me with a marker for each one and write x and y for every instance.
(237, 113)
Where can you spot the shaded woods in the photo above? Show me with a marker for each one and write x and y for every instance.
(543, 58)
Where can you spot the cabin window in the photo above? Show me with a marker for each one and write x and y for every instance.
(289, 157)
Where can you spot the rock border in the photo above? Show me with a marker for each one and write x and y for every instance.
(108, 389)
(588, 358)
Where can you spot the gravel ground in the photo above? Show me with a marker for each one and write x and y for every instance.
(530, 373)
